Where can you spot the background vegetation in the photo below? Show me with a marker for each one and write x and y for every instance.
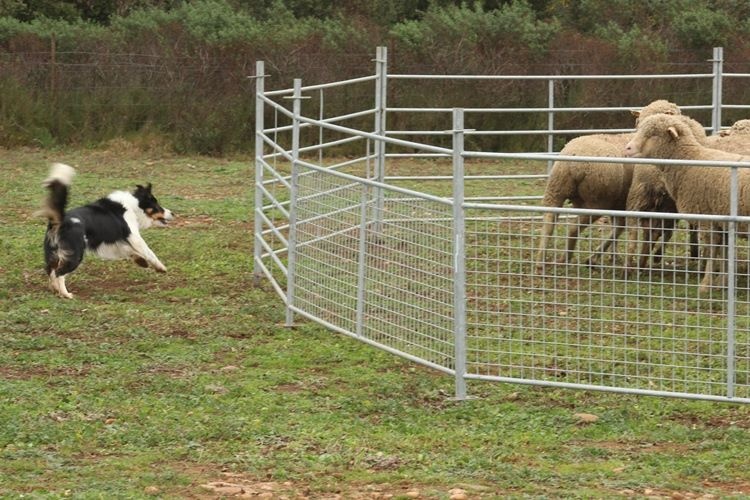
(83, 72)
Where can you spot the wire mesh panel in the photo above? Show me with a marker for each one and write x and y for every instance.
(379, 270)
(605, 319)
(328, 226)
(409, 290)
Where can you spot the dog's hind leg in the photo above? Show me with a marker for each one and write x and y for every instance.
(63, 290)
(57, 284)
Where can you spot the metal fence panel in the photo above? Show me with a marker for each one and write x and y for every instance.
(600, 321)
(382, 274)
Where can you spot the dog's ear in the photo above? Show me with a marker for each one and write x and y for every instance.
(139, 187)
(148, 187)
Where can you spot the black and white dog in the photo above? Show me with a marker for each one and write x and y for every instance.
(109, 227)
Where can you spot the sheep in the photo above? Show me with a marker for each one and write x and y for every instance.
(698, 190)
(735, 139)
(740, 127)
(603, 186)
(648, 193)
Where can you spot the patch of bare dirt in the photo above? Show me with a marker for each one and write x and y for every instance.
(710, 490)
(736, 417)
(209, 484)
(36, 371)
(192, 220)
(232, 485)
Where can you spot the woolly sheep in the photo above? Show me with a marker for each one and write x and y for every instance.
(701, 190)
(648, 193)
(735, 139)
(602, 186)
(740, 127)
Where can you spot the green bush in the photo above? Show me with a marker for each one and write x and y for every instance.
(82, 72)
(703, 27)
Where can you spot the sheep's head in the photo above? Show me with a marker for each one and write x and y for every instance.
(740, 127)
(659, 106)
(657, 137)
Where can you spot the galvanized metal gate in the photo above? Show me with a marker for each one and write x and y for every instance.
(453, 281)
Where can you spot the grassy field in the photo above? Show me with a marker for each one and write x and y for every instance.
(188, 385)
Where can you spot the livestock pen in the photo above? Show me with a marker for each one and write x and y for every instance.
(425, 248)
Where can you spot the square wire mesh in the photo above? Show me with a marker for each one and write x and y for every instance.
(602, 319)
(377, 265)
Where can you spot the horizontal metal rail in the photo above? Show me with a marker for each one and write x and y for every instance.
(272, 253)
(272, 229)
(333, 166)
(466, 177)
(607, 388)
(329, 85)
(274, 202)
(609, 159)
(514, 132)
(531, 110)
(277, 177)
(262, 265)
(335, 119)
(383, 185)
(610, 213)
(675, 76)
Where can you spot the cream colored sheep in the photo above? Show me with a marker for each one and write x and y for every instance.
(696, 190)
(648, 193)
(740, 127)
(601, 186)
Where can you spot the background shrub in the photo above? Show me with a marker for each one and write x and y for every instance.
(86, 72)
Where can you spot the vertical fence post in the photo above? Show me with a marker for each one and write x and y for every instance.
(292, 250)
(258, 201)
(459, 256)
(718, 63)
(321, 116)
(731, 277)
(381, 86)
(362, 252)
(550, 121)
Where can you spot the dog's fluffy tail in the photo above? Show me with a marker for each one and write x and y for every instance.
(58, 184)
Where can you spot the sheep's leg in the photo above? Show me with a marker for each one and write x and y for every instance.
(581, 223)
(547, 229)
(664, 231)
(648, 242)
(715, 252)
(618, 226)
(633, 230)
(695, 250)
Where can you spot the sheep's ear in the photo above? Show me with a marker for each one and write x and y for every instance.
(635, 113)
(673, 132)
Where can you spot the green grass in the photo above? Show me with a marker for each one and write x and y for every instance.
(164, 385)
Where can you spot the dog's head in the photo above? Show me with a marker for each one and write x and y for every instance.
(150, 205)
